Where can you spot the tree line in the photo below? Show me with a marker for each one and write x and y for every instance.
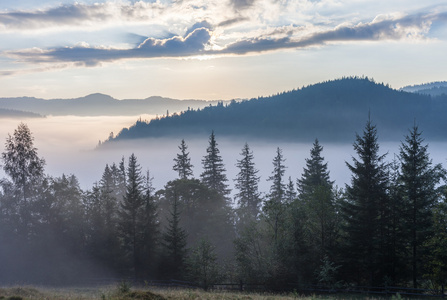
(388, 226)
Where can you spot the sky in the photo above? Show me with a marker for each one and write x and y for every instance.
(217, 49)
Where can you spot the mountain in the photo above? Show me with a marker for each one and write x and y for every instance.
(331, 111)
(12, 113)
(102, 105)
(433, 88)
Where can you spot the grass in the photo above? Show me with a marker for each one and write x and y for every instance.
(117, 293)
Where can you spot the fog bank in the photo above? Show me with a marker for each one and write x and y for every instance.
(68, 146)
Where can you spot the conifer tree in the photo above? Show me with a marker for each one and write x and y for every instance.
(291, 194)
(366, 197)
(248, 196)
(213, 175)
(109, 193)
(202, 264)
(274, 206)
(150, 224)
(278, 188)
(419, 179)
(316, 196)
(182, 162)
(130, 213)
(174, 238)
(315, 173)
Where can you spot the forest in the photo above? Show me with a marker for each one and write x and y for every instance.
(387, 227)
(327, 110)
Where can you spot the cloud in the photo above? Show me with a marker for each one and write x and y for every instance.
(198, 40)
(242, 4)
(79, 14)
(203, 24)
(232, 21)
(413, 26)
(192, 44)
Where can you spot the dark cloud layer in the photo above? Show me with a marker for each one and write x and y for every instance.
(242, 4)
(199, 36)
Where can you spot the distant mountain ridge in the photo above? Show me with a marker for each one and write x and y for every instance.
(331, 111)
(432, 88)
(100, 104)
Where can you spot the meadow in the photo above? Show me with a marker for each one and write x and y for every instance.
(117, 293)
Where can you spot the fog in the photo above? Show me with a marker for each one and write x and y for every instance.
(68, 146)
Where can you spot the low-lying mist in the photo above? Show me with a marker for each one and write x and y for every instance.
(68, 145)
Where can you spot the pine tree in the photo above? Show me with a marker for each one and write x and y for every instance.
(363, 209)
(395, 242)
(175, 243)
(278, 188)
(150, 224)
(315, 173)
(435, 258)
(213, 175)
(248, 197)
(183, 163)
(315, 193)
(419, 179)
(108, 187)
(130, 215)
(291, 194)
(274, 206)
(202, 264)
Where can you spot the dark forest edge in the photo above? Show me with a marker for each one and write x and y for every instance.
(331, 110)
(386, 228)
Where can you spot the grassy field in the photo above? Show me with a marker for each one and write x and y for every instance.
(115, 293)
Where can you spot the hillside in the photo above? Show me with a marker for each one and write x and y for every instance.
(433, 88)
(12, 113)
(102, 105)
(330, 111)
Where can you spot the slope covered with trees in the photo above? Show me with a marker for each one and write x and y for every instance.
(329, 110)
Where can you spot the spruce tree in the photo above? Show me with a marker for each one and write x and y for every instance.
(278, 188)
(419, 179)
(366, 197)
(248, 196)
(213, 175)
(150, 226)
(182, 162)
(315, 173)
(274, 206)
(291, 194)
(130, 213)
(174, 238)
(316, 196)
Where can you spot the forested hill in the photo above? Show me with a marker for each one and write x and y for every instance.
(330, 111)
(12, 113)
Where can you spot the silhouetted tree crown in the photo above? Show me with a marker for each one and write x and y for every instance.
(213, 175)
(183, 162)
